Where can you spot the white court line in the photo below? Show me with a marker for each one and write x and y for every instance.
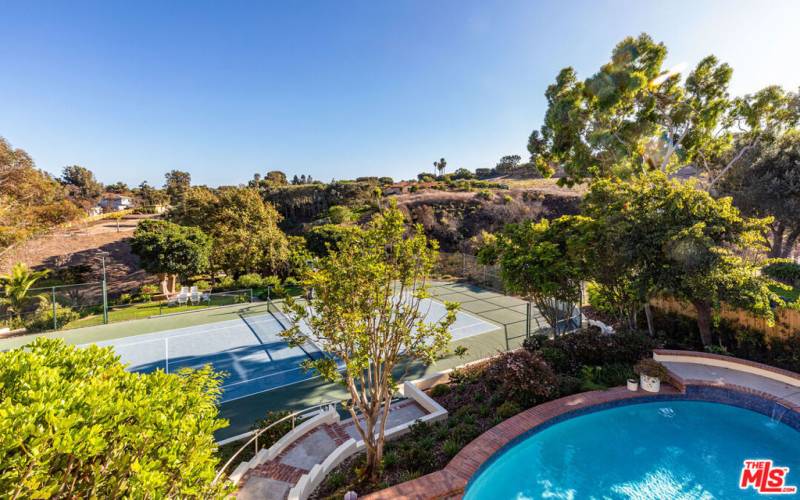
(175, 336)
(166, 354)
(262, 376)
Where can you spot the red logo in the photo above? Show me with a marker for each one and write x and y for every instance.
(765, 478)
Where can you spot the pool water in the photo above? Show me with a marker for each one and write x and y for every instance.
(659, 450)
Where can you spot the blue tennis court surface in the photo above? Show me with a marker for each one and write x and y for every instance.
(249, 350)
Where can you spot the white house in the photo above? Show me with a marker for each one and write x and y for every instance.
(113, 202)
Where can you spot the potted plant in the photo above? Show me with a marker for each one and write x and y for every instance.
(650, 374)
(633, 385)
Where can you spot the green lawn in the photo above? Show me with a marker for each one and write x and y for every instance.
(792, 295)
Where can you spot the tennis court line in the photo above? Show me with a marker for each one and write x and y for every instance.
(175, 336)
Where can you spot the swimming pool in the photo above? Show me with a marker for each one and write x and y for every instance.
(665, 449)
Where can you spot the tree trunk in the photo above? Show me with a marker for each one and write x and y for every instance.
(776, 249)
(789, 244)
(648, 312)
(703, 309)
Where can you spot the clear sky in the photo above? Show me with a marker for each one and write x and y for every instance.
(334, 88)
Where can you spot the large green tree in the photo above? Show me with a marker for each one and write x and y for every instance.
(540, 261)
(634, 115)
(82, 183)
(367, 310)
(167, 248)
(76, 424)
(678, 240)
(766, 182)
(176, 184)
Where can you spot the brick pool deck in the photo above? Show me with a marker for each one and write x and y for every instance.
(450, 482)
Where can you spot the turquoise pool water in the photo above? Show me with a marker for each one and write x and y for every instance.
(659, 450)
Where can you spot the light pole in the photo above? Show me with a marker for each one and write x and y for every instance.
(102, 256)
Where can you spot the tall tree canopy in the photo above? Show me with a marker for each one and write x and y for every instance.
(366, 310)
(176, 185)
(81, 183)
(766, 182)
(167, 248)
(76, 424)
(31, 201)
(245, 229)
(678, 240)
(633, 115)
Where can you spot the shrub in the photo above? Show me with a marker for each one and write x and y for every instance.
(147, 291)
(451, 447)
(339, 214)
(73, 412)
(250, 280)
(650, 368)
(485, 194)
(508, 409)
(42, 319)
(523, 377)
(270, 437)
(202, 285)
(440, 390)
(599, 301)
(588, 347)
(226, 283)
(567, 385)
(534, 342)
(614, 374)
(783, 270)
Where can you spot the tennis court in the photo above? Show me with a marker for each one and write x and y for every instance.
(249, 349)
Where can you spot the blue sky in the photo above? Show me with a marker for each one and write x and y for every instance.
(335, 89)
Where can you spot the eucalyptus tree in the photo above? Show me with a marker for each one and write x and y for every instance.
(634, 116)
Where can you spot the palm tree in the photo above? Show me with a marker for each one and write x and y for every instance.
(440, 165)
(16, 286)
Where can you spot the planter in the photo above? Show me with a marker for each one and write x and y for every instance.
(649, 384)
(633, 385)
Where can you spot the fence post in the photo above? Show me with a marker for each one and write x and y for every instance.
(105, 303)
(55, 310)
(251, 295)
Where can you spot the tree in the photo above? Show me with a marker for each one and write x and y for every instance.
(634, 116)
(118, 187)
(81, 183)
(440, 166)
(149, 196)
(680, 241)
(176, 184)
(76, 424)
(296, 180)
(275, 178)
(537, 260)
(169, 249)
(463, 173)
(766, 182)
(16, 286)
(246, 235)
(366, 309)
(321, 239)
(508, 164)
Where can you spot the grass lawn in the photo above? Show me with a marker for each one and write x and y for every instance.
(792, 295)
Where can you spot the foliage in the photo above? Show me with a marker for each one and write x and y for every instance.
(508, 409)
(31, 201)
(766, 182)
(440, 166)
(633, 116)
(16, 287)
(507, 164)
(176, 185)
(569, 353)
(365, 311)
(783, 270)
(250, 280)
(522, 377)
(650, 368)
(147, 292)
(328, 237)
(463, 173)
(339, 214)
(537, 261)
(76, 424)
(168, 248)
(440, 390)
(245, 229)
(42, 319)
(81, 183)
(675, 239)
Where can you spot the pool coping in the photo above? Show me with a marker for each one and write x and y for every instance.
(452, 481)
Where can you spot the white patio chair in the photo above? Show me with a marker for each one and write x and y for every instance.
(184, 290)
(193, 289)
(194, 297)
(172, 300)
(183, 299)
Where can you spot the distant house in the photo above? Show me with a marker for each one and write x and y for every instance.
(113, 202)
